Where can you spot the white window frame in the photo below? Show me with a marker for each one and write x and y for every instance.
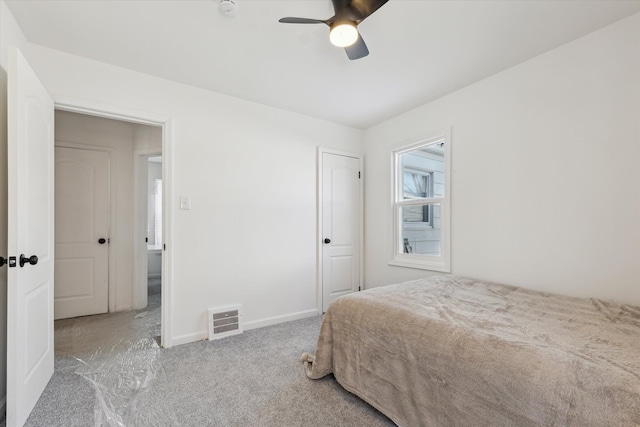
(440, 263)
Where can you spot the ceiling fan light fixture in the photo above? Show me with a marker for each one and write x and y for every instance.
(343, 34)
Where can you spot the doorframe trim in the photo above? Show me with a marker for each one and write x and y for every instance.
(319, 236)
(118, 112)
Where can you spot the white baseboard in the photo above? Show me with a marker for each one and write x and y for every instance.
(279, 319)
(188, 338)
(202, 335)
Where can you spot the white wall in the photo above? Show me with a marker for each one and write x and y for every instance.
(10, 35)
(546, 172)
(250, 171)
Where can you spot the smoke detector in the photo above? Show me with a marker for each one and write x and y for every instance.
(228, 7)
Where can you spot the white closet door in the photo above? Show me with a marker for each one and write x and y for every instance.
(82, 232)
(340, 226)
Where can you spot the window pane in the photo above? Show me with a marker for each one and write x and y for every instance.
(416, 214)
(423, 172)
(416, 184)
(423, 237)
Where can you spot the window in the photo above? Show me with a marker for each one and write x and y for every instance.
(421, 204)
(417, 184)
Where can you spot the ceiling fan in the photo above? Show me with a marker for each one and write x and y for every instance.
(344, 24)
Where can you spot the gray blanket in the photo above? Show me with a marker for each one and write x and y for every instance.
(452, 351)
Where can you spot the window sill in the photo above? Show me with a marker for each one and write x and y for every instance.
(421, 265)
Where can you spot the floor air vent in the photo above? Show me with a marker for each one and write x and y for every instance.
(225, 321)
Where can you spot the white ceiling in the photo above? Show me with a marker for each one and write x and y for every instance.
(420, 50)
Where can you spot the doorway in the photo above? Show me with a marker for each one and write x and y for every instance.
(113, 145)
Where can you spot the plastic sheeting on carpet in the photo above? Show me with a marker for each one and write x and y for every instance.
(128, 379)
(128, 382)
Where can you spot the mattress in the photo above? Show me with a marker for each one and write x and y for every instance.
(453, 351)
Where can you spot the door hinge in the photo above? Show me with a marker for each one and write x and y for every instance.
(358, 174)
(358, 288)
(164, 247)
(146, 239)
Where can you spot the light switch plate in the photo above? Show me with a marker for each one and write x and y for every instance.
(185, 202)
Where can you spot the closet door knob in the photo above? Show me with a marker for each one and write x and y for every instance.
(102, 241)
(327, 241)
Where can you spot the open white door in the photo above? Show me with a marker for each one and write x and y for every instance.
(30, 239)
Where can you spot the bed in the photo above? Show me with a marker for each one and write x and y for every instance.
(453, 351)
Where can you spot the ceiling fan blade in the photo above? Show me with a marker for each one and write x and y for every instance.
(358, 49)
(301, 21)
(366, 7)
